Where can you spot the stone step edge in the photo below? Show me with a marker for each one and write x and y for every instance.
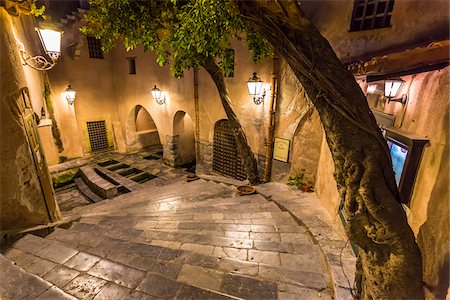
(225, 180)
(10, 236)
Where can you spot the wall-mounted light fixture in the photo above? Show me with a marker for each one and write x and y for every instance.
(254, 86)
(51, 41)
(158, 95)
(70, 95)
(391, 89)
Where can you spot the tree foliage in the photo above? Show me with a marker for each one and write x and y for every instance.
(181, 33)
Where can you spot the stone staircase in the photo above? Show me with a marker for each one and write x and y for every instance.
(194, 240)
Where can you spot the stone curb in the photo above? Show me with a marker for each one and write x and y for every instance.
(307, 209)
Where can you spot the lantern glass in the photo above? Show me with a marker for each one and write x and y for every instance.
(156, 93)
(371, 88)
(392, 87)
(70, 94)
(254, 86)
(51, 40)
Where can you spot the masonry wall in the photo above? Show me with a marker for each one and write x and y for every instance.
(22, 202)
(425, 114)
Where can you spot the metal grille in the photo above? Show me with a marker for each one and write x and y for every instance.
(95, 47)
(371, 14)
(226, 160)
(97, 135)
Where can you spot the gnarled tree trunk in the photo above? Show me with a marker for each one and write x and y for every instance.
(241, 140)
(390, 263)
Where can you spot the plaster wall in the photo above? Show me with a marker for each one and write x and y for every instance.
(22, 202)
(95, 99)
(413, 23)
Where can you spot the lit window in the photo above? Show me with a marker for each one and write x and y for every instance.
(371, 14)
(95, 47)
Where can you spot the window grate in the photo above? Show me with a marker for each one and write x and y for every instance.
(97, 135)
(95, 47)
(371, 14)
(226, 160)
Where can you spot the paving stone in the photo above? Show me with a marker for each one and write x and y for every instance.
(168, 244)
(239, 267)
(274, 246)
(135, 295)
(82, 261)
(265, 257)
(40, 267)
(288, 291)
(113, 291)
(308, 261)
(248, 288)
(117, 273)
(54, 293)
(18, 284)
(60, 275)
(295, 238)
(225, 252)
(31, 243)
(235, 227)
(204, 249)
(203, 278)
(232, 243)
(159, 286)
(237, 234)
(198, 259)
(57, 253)
(165, 269)
(306, 279)
(25, 259)
(85, 286)
(263, 228)
(265, 236)
(194, 293)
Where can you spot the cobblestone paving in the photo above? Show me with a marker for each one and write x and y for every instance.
(194, 240)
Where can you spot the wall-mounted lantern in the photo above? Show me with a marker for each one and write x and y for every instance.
(70, 94)
(158, 95)
(391, 89)
(51, 42)
(254, 86)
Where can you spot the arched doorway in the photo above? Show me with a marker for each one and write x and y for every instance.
(226, 159)
(180, 150)
(141, 130)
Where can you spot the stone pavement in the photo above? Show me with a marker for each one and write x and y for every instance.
(196, 240)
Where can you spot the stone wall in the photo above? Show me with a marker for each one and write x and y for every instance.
(205, 161)
(22, 202)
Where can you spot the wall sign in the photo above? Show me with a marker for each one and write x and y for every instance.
(281, 149)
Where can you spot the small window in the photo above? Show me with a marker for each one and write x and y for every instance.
(371, 14)
(131, 65)
(95, 47)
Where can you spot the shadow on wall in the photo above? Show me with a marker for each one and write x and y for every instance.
(433, 237)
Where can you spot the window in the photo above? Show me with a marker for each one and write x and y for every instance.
(95, 47)
(131, 65)
(371, 14)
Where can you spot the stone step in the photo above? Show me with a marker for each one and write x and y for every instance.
(100, 186)
(86, 191)
(152, 271)
(121, 180)
(296, 270)
(17, 283)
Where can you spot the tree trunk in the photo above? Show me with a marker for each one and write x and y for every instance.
(390, 263)
(241, 140)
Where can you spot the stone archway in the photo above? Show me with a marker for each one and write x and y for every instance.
(180, 147)
(141, 131)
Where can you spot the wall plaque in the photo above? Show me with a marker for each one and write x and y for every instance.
(281, 149)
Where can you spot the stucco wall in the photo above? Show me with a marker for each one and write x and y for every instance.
(413, 22)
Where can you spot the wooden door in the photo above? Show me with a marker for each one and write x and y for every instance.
(40, 163)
